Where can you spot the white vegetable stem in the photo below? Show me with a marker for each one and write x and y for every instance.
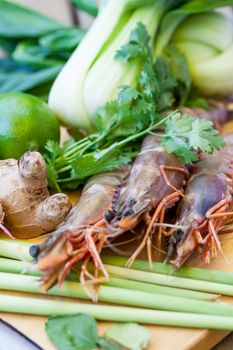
(91, 76)
(34, 306)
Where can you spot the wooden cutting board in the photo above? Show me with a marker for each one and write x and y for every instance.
(162, 338)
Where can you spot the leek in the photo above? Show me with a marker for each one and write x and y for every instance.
(31, 284)
(19, 267)
(46, 307)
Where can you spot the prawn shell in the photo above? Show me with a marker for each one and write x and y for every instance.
(146, 187)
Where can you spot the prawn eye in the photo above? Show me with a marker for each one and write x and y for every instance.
(34, 251)
(109, 215)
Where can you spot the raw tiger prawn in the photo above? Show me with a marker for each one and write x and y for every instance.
(209, 206)
(82, 235)
(155, 183)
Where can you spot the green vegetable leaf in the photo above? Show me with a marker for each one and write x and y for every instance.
(32, 54)
(97, 162)
(179, 72)
(203, 136)
(73, 332)
(63, 39)
(20, 22)
(127, 94)
(185, 135)
(197, 6)
(180, 148)
(138, 46)
(26, 79)
(130, 335)
(88, 6)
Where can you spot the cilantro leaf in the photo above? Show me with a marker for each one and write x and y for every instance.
(184, 135)
(204, 137)
(97, 162)
(127, 94)
(138, 46)
(179, 71)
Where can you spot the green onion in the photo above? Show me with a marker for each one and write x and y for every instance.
(43, 307)
(17, 267)
(167, 269)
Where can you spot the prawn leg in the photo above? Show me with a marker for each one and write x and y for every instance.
(163, 170)
(166, 202)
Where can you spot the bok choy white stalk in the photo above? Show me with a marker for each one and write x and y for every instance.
(207, 41)
(92, 76)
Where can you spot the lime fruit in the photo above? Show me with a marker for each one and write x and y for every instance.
(26, 123)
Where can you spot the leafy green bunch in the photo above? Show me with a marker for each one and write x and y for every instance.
(137, 111)
(36, 49)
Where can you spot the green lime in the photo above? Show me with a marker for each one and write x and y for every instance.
(26, 123)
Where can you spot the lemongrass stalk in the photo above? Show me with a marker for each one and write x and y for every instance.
(169, 281)
(43, 307)
(167, 269)
(151, 288)
(14, 249)
(31, 284)
(19, 267)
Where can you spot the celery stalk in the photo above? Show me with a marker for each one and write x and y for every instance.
(46, 307)
(31, 284)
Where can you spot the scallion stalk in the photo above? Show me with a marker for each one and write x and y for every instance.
(17, 267)
(43, 307)
(31, 284)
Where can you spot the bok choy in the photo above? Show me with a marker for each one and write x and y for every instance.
(93, 74)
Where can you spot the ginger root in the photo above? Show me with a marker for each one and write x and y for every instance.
(26, 207)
